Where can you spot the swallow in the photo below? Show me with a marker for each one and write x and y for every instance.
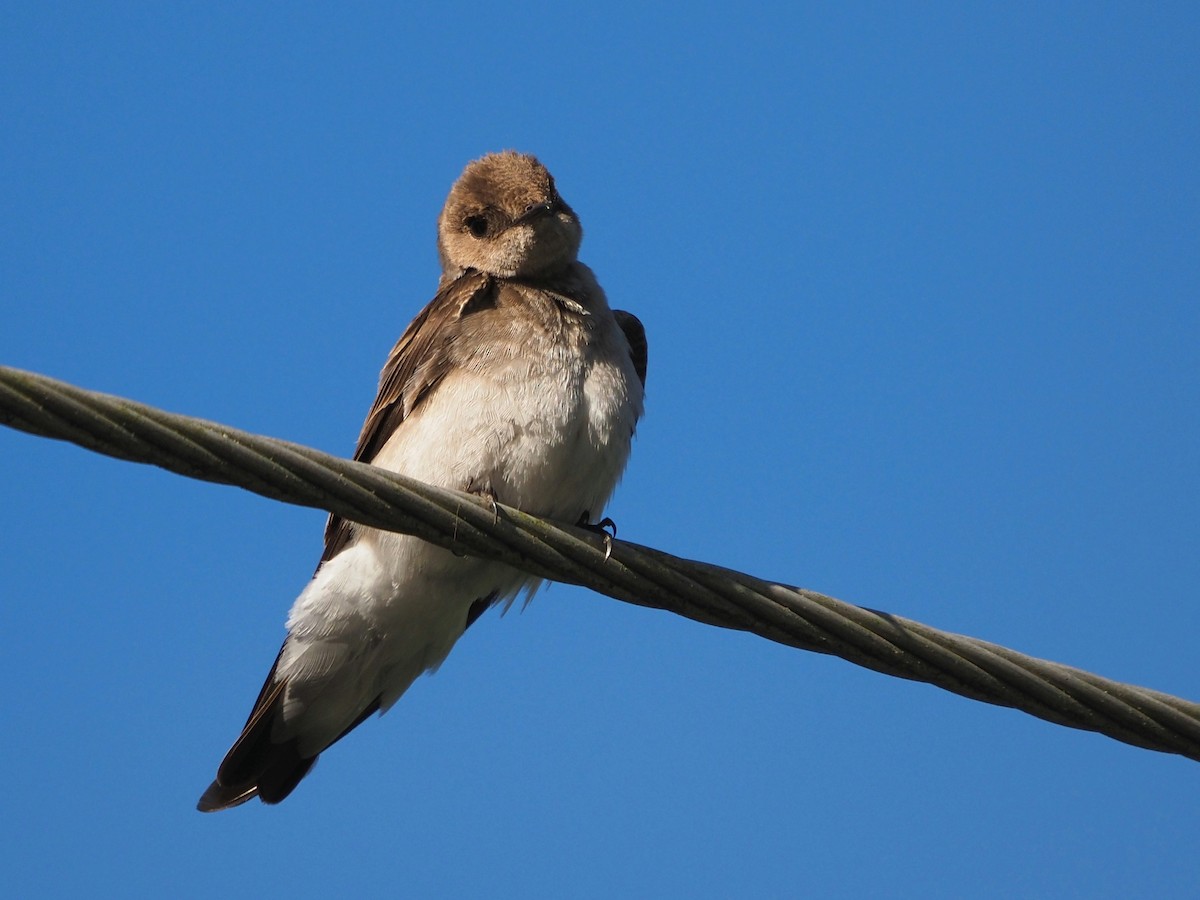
(517, 382)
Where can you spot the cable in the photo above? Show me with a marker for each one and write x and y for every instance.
(464, 523)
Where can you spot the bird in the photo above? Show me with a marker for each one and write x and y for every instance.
(517, 383)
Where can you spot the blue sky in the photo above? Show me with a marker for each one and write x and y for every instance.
(920, 284)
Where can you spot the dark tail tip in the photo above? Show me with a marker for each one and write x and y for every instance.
(279, 776)
(219, 797)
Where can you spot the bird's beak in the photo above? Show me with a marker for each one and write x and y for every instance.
(542, 209)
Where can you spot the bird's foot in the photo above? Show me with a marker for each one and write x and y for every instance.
(601, 528)
(487, 494)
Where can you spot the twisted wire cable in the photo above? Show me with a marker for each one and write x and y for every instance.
(705, 593)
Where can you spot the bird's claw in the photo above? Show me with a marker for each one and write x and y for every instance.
(600, 528)
(485, 493)
(490, 496)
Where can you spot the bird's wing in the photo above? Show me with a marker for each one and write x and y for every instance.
(415, 366)
(635, 334)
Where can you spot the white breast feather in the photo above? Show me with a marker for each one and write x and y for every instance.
(558, 435)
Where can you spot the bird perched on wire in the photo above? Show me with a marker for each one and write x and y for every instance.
(516, 382)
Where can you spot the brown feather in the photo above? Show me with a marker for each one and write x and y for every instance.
(413, 369)
(239, 776)
(635, 334)
(256, 766)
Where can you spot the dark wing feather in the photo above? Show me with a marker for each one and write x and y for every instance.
(636, 335)
(413, 369)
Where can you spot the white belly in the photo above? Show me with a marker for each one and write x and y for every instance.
(550, 438)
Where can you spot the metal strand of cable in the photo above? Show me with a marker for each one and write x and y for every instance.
(468, 525)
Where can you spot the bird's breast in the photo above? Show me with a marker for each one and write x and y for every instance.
(543, 420)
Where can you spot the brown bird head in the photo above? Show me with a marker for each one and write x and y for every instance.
(504, 217)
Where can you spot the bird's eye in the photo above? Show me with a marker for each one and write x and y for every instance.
(477, 225)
